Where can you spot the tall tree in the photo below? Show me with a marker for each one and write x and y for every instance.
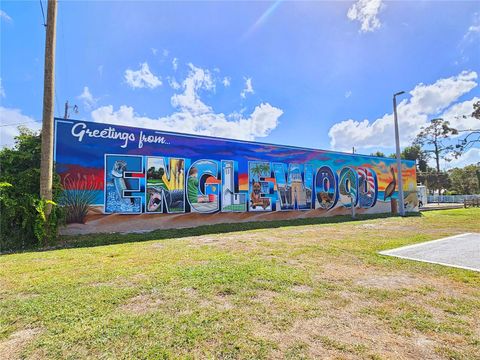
(472, 136)
(465, 181)
(433, 139)
(415, 152)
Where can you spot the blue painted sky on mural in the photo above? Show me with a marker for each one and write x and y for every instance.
(314, 74)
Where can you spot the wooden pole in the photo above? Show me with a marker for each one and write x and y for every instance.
(46, 163)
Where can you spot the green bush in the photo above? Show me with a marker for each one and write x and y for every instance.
(23, 221)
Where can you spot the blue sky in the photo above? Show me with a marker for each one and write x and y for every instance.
(315, 74)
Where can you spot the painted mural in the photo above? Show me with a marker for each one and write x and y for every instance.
(141, 171)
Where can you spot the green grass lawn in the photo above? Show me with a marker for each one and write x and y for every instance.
(298, 290)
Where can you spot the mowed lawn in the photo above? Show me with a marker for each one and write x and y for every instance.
(297, 291)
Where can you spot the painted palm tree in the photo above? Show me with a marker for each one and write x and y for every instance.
(256, 170)
(260, 169)
(265, 169)
(390, 189)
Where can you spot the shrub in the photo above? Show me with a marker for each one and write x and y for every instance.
(23, 223)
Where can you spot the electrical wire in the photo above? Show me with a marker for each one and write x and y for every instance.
(16, 124)
(43, 14)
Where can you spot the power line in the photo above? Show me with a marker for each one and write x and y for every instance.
(21, 123)
(43, 14)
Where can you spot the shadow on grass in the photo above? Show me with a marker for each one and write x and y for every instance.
(100, 239)
(115, 238)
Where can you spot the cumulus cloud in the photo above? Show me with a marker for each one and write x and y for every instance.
(365, 12)
(226, 81)
(10, 120)
(460, 115)
(192, 115)
(259, 123)
(426, 101)
(248, 88)
(5, 16)
(86, 96)
(175, 64)
(142, 78)
(197, 79)
(471, 156)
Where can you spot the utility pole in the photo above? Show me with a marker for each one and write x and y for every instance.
(66, 110)
(46, 164)
(401, 205)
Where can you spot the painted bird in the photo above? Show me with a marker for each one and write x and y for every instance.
(390, 189)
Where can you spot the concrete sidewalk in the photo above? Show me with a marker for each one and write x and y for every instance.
(461, 251)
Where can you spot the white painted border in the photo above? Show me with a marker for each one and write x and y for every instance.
(423, 243)
(389, 253)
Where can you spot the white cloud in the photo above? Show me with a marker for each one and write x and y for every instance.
(4, 16)
(10, 120)
(226, 81)
(154, 51)
(471, 156)
(86, 96)
(470, 38)
(348, 94)
(175, 64)
(365, 12)
(474, 29)
(173, 83)
(142, 78)
(2, 90)
(165, 52)
(460, 115)
(259, 123)
(189, 100)
(426, 101)
(100, 70)
(248, 88)
(192, 115)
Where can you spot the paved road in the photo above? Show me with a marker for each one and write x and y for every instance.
(461, 251)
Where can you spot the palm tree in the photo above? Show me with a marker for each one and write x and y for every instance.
(256, 170)
(265, 169)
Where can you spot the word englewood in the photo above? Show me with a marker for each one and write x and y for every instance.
(156, 184)
(127, 170)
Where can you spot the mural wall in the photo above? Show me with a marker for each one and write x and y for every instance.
(129, 170)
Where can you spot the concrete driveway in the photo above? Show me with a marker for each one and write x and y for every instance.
(461, 251)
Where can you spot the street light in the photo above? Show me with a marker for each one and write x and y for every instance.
(399, 162)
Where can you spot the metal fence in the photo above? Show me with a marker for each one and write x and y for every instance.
(451, 198)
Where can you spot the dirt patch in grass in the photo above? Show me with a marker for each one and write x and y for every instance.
(158, 246)
(12, 347)
(302, 289)
(265, 296)
(342, 334)
(122, 282)
(143, 304)
(389, 281)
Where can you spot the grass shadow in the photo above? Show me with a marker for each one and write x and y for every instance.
(90, 240)
(102, 239)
